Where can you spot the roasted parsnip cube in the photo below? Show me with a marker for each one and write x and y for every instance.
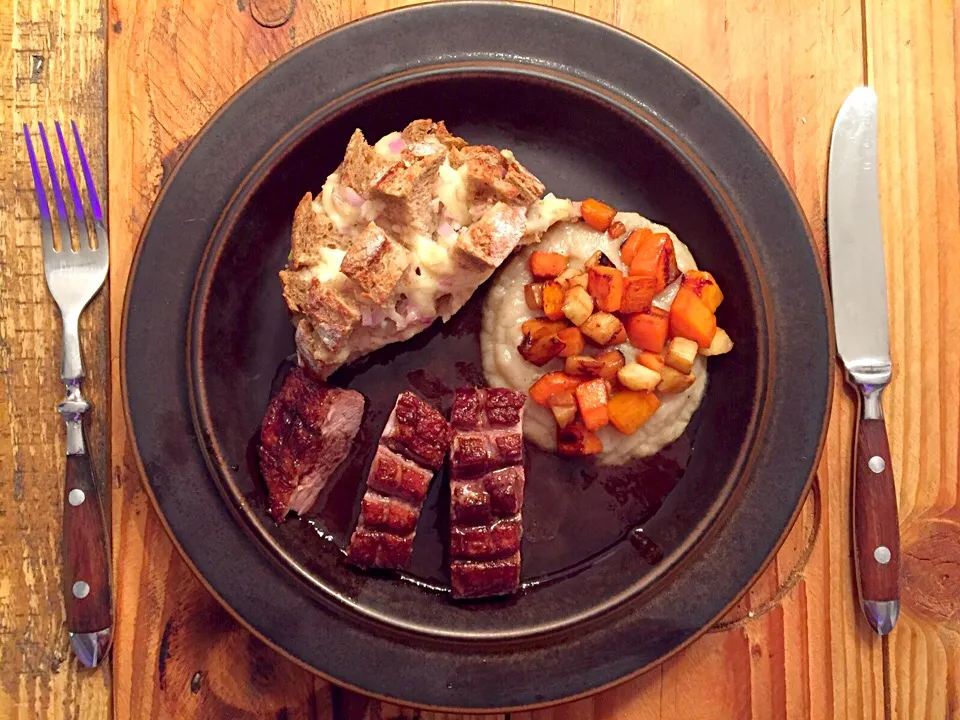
(563, 405)
(681, 353)
(637, 377)
(612, 361)
(533, 293)
(720, 344)
(540, 350)
(601, 327)
(583, 366)
(598, 258)
(674, 381)
(577, 305)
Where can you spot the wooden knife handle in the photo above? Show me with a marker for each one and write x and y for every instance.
(876, 526)
(86, 558)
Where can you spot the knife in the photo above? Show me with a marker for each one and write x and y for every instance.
(859, 283)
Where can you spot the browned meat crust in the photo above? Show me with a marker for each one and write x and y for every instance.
(486, 492)
(411, 448)
(306, 433)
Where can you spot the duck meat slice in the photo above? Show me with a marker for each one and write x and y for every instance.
(412, 447)
(306, 433)
(486, 492)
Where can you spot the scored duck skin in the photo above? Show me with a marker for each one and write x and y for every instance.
(411, 449)
(486, 492)
(305, 434)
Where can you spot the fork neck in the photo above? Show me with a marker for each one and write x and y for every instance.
(71, 367)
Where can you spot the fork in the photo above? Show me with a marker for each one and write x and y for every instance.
(73, 278)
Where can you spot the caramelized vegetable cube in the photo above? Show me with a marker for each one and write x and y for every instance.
(572, 276)
(533, 294)
(583, 366)
(546, 265)
(674, 381)
(550, 384)
(638, 377)
(598, 258)
(534, 326)
(630, 409)
(553, 300)
(612, 361)
(563, 405)
(541, 348)
(577, 305)
(572, 340)
(628, 248)
(681, 353)
(647, 330)
(616, 229)
(596, 214)
(605, 284)
(575, 439)
(638, 293)
(655, 258)
(705, 287)
(620, 337)
(691, 319)
(601, 327)
(592, 401)
(654, 361)
(720, 344)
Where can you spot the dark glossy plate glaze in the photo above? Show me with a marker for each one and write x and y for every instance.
(591, 111)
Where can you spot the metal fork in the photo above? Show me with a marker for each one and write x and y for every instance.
(73, 278)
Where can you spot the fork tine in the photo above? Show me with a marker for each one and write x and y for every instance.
(98, 223)
(81, 216)
(57, 194)
(46, 226)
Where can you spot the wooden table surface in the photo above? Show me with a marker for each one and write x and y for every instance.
(142, 76)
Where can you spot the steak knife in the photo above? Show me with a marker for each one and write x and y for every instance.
(859, 284)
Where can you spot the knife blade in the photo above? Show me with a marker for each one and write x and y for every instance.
(859, 286)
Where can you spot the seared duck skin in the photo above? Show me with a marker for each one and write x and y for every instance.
(411, 449)
(486, 492)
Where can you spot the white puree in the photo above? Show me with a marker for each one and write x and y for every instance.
(506, 309)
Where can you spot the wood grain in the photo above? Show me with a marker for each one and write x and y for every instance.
(52, 58)
(913, 62)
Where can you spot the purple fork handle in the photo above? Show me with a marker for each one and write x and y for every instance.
(86, 562)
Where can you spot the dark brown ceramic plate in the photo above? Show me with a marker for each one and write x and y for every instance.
(621, 567)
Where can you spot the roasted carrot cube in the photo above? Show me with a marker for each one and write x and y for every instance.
(547, 265)
(630, 409)
(651, 360)
(620, 337)
(705, 287)
(553, 300)
(572, 340)
(628, 248)
(638, 293)
(612, 361)
(550, 384)
(647, 330)
(606, 286)
(690, 318)
(592, 400)
(575, 439)
(596, 214)
(655, 258)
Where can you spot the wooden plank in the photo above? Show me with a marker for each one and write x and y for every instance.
(786, 68)
(913, 62)
(45, 79)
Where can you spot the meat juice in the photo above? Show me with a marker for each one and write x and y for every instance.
(574, 512)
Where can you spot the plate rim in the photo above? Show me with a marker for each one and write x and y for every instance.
(517, 7)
